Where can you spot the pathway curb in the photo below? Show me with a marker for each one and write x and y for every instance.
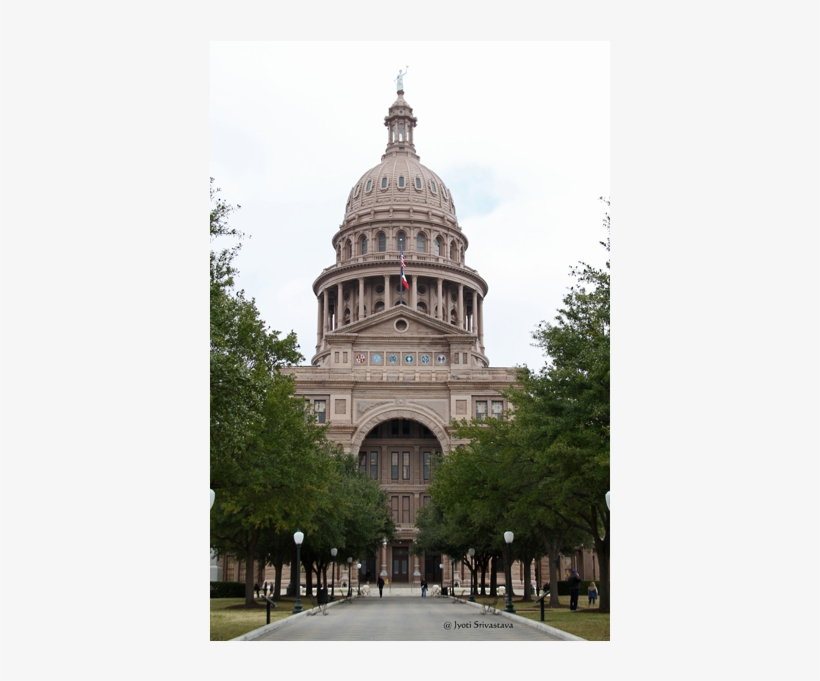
(546, 628)
(261, 631)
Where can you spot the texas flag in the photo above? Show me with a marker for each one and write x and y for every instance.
(403, 278)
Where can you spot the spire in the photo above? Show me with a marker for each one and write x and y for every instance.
(400, 122)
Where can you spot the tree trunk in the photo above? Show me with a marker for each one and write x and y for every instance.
(277, 583)
(527, 582)
(250, 550)
(483, 566)
(602, 551)
(493, 577)
(308, 579)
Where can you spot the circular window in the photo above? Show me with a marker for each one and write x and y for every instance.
(422, 290)
(392, 358)
(409, 359)
(425, 359)
(441, 359)
(400, 325)
(376, 358)
(379, 288)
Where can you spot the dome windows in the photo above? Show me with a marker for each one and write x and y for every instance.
(364, 245)
(368, 186)
(401, 181)
(433, 187)
(437, 246)
(349, 249)
(400, 241)
(384, 182)
(356, 191)
(420, 245)
(418, 183)
(382, 242)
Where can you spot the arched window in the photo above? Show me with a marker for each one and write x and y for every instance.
(422, 307)
(401, 181)
(349, 249)
(368, 186)
(437, 246)
(384, 183)
(364, 245)
(420, 243)
(382, 242)
(379, 306)
(400, 241)
(418, 183)
(452, 251)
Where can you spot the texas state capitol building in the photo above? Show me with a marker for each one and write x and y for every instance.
(393, 366)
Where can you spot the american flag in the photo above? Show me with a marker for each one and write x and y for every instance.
(403, 278)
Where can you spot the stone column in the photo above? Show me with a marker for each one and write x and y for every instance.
(476, 315)
(326, 319)
(414, 297)
(461, 306)
(339, 306)
(481, 322)
(387, 296)
(383, 552)
(361, 297)
(319, 319)
(440, 302)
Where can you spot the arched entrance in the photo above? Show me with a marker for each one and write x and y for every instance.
(399, 448)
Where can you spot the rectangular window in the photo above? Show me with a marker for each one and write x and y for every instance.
(420, 243)
(405, 465)
(363, 463)
(498, 409)
(394, 507)
(394, 466)
(319, 410)
(481, 410)
(405, 509)
(426, 467)
(374, 465)
(382, 243)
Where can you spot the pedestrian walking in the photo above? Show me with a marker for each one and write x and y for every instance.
(423, 588)
(256, 589)
(593, 593)
(574, 590)
(381, 586)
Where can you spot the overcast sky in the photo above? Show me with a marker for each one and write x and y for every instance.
(519, 132)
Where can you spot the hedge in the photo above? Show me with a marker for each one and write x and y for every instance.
(227, 590)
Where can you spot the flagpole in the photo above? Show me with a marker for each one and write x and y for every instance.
(401, 285)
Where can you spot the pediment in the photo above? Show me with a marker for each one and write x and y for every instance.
(418, 324)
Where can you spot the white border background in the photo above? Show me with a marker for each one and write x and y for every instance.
(715, 325)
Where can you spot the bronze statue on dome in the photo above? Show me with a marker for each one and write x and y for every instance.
(400, 79)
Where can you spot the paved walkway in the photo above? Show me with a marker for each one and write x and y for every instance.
(405, 619)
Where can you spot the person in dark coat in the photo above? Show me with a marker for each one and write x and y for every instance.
(381, 586)
(574, 590)
(423, 588)
(256, 589)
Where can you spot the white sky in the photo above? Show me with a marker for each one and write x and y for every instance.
(519, 132)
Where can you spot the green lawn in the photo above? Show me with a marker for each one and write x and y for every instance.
(228, 622)
(587, 622)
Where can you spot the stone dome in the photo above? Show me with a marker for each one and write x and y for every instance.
(400, 181)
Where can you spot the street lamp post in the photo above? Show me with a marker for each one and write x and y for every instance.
(358, 579)
(471, 553)
(441, 571)
(508, 537)
(298, 537)
(349, 577)
(607, 500)
(333, 553)
(452, 577)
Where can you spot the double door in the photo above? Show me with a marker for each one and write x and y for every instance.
(401, 564)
